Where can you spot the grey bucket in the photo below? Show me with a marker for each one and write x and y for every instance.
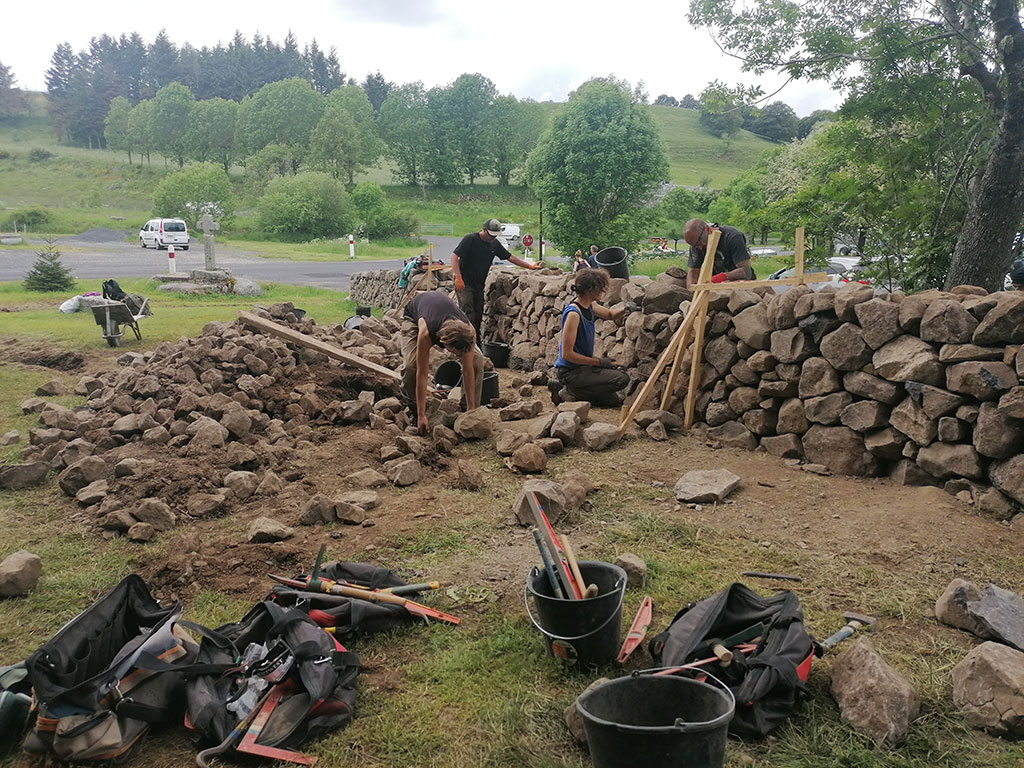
(613, 259)
(656, 721)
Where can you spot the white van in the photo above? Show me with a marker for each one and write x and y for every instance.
(160, 233)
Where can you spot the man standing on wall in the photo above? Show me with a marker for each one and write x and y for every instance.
(471, 261)
(732, 259)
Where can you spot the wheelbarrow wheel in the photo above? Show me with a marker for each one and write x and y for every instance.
(114, 341)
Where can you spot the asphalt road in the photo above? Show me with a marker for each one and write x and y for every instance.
(91, 260)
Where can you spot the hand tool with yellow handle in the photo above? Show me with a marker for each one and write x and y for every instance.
(333, 588)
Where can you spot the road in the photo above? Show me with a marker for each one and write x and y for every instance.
(93, 259)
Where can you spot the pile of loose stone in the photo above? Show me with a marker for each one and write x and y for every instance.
(926, 388)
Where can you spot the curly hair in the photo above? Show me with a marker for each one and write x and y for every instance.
(590, 281)
(456, 335)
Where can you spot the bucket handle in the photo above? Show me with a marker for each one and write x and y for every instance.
(526, 604)
(680, 723)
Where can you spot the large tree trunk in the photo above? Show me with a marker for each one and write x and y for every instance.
(994, 213)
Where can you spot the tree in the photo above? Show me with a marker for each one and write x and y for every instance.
(334, 142)
(377, 90)
(985, 42)
(596, 166)
(117, 126)
(404, 124)
(806, 124)
(172, 106)
(439, 155)
(48, 273)
(356, 146)
(11, 100)
(777, 122)
(515, 128)
(678, 206)
(469, 102)
(306, 205)
(379, 217)
(140, 128)
(211, 131)
(58, 81)
(194, 191)
(270, 162)
(689, 102)
(162, 67)
(721, 109)
(285, 112)
(664, 100)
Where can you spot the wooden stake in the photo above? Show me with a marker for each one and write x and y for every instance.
(304, 340)
(798, 256)
(695, 361)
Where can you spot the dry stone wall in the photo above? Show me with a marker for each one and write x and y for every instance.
(379, 288)
(927, 388)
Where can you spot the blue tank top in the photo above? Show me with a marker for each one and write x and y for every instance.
(584, 335)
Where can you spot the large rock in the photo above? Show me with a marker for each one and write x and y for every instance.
(721, 353)
(664, 296)
(470, 476)
(507, 442)
(1012, 403)
(865, 385)
(242, 484)
(827, 409)
(953, 607)
(873, 698)
(732, 434)
(818, 377)
(996, 435)
(156, 513)
(408, 472)
(792, 418)
(599, 436)
(19, 573)
(705, 485)
(845, 348)
(524, 409)
(530, 458)
(1004, 322)
(751, 326)
(81, 473)
(1008, 477)
(840, 449)
(17, 477)
(265, 530)
(886, 443)
(907, 358)
(792, 345)
(786, 446)
(550, 496)
(819, 325)
(565, 427)
(474, 425)
(988, 688)
(985, 380)
(912, 421)
(865, 415)
(132, 424)
(947, 322)
(782, 307)
(879, 321)
(848, 297)
(935, 402)
(944, 460)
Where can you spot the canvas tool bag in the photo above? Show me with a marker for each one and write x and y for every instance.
(107, 676)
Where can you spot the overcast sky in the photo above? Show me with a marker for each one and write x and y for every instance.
(541, 49)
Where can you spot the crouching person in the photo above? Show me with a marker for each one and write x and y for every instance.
(432, 319)
(580, 375)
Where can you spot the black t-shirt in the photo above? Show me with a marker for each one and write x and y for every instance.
(434, 308)
(476, 257)
(732, 249)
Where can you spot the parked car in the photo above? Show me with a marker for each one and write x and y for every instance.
(841, 269)
(160, 233)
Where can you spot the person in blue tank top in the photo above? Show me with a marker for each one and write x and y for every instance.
(580, 375)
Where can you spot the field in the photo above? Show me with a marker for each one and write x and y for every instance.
(483, 693)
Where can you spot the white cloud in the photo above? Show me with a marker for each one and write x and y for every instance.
(541, 49)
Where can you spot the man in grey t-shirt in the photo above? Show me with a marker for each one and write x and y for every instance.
(732, 258)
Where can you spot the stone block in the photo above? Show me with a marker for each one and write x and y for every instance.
(873, 698)
(704, 486)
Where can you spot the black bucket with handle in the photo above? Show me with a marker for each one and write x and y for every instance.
(614, 259)
(581, 633)
(657, 721)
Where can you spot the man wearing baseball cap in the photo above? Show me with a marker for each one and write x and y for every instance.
(471, 261)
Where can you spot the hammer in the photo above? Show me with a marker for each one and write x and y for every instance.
(854, 621)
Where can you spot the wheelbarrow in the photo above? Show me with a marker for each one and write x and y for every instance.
(111, 315)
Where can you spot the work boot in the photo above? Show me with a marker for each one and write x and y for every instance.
(555, 388)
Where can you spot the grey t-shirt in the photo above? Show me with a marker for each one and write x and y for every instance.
(732, 249)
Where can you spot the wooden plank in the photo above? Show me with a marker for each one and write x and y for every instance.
(736, 285)
(695, 361)
(307, 341)
(798, 256)
(701, 298)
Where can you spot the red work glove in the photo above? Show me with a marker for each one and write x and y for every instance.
(460, 284)
(721, 277)
(534, 266)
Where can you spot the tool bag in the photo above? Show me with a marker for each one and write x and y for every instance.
(768, 683)
(113, 291)
(349, 616)
(107, 676)
(318, 674)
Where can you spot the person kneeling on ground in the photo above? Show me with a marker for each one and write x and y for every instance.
(432, 319)
(581, 376)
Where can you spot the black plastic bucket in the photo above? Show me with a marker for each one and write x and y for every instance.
(362, 311)
(448, 374)
(497, 353)
(583, 633)
(653, 721)
(613, 259)
(490, 388)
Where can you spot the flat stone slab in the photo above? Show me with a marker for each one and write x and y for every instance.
(706, 485)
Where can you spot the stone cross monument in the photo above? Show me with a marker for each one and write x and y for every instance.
(209, 226)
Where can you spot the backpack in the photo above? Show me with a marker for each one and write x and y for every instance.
(107, 676)
(272, 646)
(770, 682)
(112, 291)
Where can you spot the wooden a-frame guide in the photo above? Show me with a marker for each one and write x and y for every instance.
(694, 323)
